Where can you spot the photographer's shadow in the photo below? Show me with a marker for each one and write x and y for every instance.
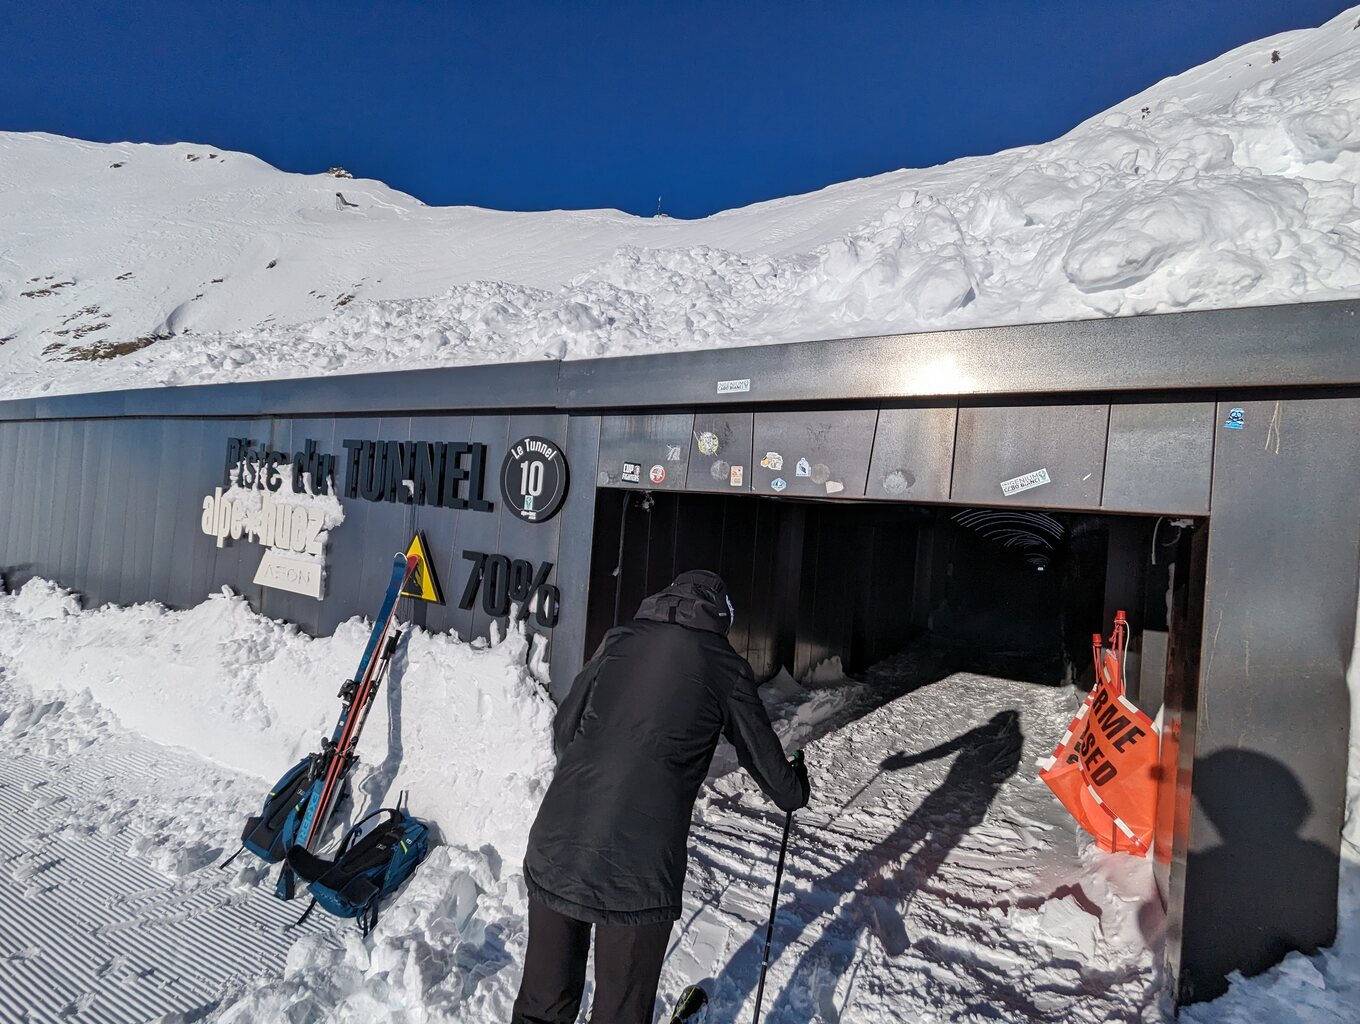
(879, 884)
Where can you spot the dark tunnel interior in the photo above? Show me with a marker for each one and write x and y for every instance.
(1013, 592)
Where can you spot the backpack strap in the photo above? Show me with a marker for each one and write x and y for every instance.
(305, 914)
(368, 917)
(238, 853)
(285, 887)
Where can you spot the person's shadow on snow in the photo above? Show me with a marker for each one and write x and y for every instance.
(880, 885)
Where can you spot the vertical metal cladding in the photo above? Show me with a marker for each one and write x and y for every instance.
(1259, 864)
(114, 508)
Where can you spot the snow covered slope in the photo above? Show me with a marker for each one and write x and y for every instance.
(1232, 184)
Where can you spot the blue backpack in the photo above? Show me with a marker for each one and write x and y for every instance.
(271, 833)
(369, 864)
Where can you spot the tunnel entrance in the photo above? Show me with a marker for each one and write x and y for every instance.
(1011, 592)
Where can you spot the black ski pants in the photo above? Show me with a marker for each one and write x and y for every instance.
(627, 968)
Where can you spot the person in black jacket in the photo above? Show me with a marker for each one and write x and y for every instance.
(634, 738)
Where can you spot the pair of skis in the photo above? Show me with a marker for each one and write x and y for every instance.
(357, 694)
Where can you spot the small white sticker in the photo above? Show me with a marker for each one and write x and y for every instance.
(803, 469)
(773, 460)
(673, 453)
(733, 387)
(834, 487)
(737, 475)
(708, 443)
(1024, 483)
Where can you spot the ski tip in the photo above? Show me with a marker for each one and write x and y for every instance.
(690, 1006)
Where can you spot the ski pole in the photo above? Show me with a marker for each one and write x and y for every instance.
(774, 903)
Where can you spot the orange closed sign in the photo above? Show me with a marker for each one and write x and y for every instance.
(1104, 769)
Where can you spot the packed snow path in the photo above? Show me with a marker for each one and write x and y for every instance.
(931, 878)
(103, 915)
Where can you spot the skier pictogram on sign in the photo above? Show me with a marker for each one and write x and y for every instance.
(423, 584)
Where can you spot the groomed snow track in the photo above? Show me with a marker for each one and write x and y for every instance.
(100, 918)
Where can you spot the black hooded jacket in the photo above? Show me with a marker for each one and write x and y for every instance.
(634, 739)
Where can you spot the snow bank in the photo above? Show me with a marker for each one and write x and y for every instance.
(448, 949)
(1232, 184)
(464, 728)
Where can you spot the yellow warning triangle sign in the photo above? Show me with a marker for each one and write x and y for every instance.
(423, 584)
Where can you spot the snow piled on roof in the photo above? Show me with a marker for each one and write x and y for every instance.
(132, 265)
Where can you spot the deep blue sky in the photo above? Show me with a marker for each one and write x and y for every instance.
(528, 106)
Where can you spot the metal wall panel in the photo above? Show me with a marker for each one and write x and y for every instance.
(40, 509)
(720, 451)
(103, 582)
(203, 446)
(649, 441)
(913, 456)
(233, 565)
(1294, 345)
(1000, 443)
(833, 446)
(482, 531)
(388, 525)
(195, 473)
(350, 547)
(575, 537)
(1159, 457)
(9, 514)
(140, 525)
(69, 499)
(15, 517)
(36, 497)
(1260, 873)
(286, 436)
(443, 529)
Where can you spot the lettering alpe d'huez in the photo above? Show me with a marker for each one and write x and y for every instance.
(448, 474)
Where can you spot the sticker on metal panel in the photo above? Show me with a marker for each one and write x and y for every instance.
(737, 475)
(821, 473)
(658, 474)
(773, 460)
(673, 453)
(708, 443)
(778, 483)
(899, 481)
(834, 487)
(632, 472)
(802, 469)
(720, 470)
(1024, 483)
(1237, 419)
(734, 387)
